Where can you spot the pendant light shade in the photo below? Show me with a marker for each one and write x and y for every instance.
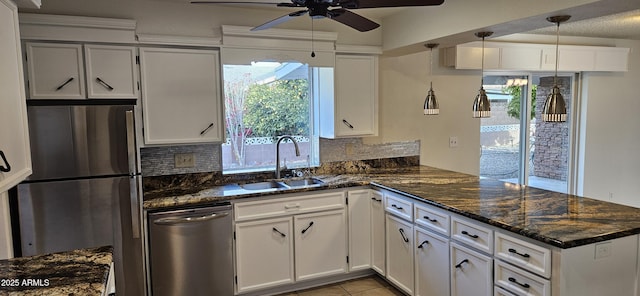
(481, 105)
(430, 102)
(555, 109)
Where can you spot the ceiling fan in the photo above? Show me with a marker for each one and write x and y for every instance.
(337, 10)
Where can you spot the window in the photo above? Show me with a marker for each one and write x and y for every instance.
(265, 100)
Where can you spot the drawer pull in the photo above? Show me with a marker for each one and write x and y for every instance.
(310, 224)
(293, 206)
(397, 207)
(459, 265)
(404, 237)
(525, 255)
(432, 220)
(347, 123)
(424, 242)
(206, 130)
(525, 285)
(375, 199)
(278, 231)
(469, 235)
(6, 168)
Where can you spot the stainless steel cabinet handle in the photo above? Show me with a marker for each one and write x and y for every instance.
(184, 220)
(64, 84)
(206, 130)
(6, 168)
(347, 123)
(103, 83)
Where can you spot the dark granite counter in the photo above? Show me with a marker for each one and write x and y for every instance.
(80, 272)
(561, 220)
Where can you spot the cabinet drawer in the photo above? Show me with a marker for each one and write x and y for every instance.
(398, 205)
(523, 254)
(472, 234)
(497, 291)
(519, 281)
(288, 205)
(431, 218)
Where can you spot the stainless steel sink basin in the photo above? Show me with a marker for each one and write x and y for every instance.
(306, 182)
(263, 185)
(285, 184)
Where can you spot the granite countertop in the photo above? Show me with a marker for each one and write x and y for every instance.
(79, 272)
(558, 219)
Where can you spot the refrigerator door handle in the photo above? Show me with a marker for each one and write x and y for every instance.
(135, 186)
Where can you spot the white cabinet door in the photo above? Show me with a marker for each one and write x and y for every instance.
(400, 253)
(111, 71)
(320, 244)
(377, 233)
(181, 95)
(359, 229)
(356, 92)
(264, 253)
(471, 272)
(471, 58)
(15, 163)
(431, 263)
(55, 71)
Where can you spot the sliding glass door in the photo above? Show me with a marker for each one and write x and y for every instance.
(516, 145)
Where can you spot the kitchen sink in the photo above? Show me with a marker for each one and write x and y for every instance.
(306, 182)
(285, 184)
(263, 185)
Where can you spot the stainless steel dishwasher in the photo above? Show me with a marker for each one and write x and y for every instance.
(191, 251)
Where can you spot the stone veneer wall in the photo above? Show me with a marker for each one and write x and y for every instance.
(159, 161)
(551, 154)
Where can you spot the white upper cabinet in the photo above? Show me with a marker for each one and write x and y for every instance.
(111, 71)
(15, 157)
(181, 95)
(353, 110)
(55, 71)
(536, 57)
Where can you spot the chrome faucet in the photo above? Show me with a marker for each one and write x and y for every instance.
(278, 152)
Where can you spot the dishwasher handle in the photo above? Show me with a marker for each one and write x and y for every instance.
(184, 220)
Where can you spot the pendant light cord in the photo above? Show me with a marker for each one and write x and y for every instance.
(431, 67)
(313, 53)
(482, 65)
(555, 77)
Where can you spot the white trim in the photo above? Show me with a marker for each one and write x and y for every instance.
(76, 21)
(29, 3)
(358, 49)
(278, 33)
(158, 39)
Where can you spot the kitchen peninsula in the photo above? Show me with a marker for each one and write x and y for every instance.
(581, 242)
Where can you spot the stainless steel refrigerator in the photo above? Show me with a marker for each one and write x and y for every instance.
(85, 188)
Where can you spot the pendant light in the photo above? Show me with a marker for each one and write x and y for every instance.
(481, 106)
(555, 109)
(430, 103)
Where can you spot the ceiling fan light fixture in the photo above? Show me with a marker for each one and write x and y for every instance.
(481, 105)
(431, 106)
(555, 109)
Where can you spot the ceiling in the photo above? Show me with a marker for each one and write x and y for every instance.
(625, 25)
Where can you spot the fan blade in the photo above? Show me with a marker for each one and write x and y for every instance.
(353, 20)
(280, 20)
(354, 4)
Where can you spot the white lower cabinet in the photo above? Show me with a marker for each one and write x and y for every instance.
(431, 263)
(360, 232)
(471, 272)
(519, 281)
(320, 244)
(264, 253)
(378, 247)
(399, 248)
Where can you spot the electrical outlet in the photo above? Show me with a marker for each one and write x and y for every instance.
(184, 160)
(603, 250)
(453, 142)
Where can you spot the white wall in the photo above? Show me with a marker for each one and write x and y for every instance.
(181, 18)
(404, 82)
(612, 132)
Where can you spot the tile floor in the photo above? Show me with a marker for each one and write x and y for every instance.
(367, 286)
